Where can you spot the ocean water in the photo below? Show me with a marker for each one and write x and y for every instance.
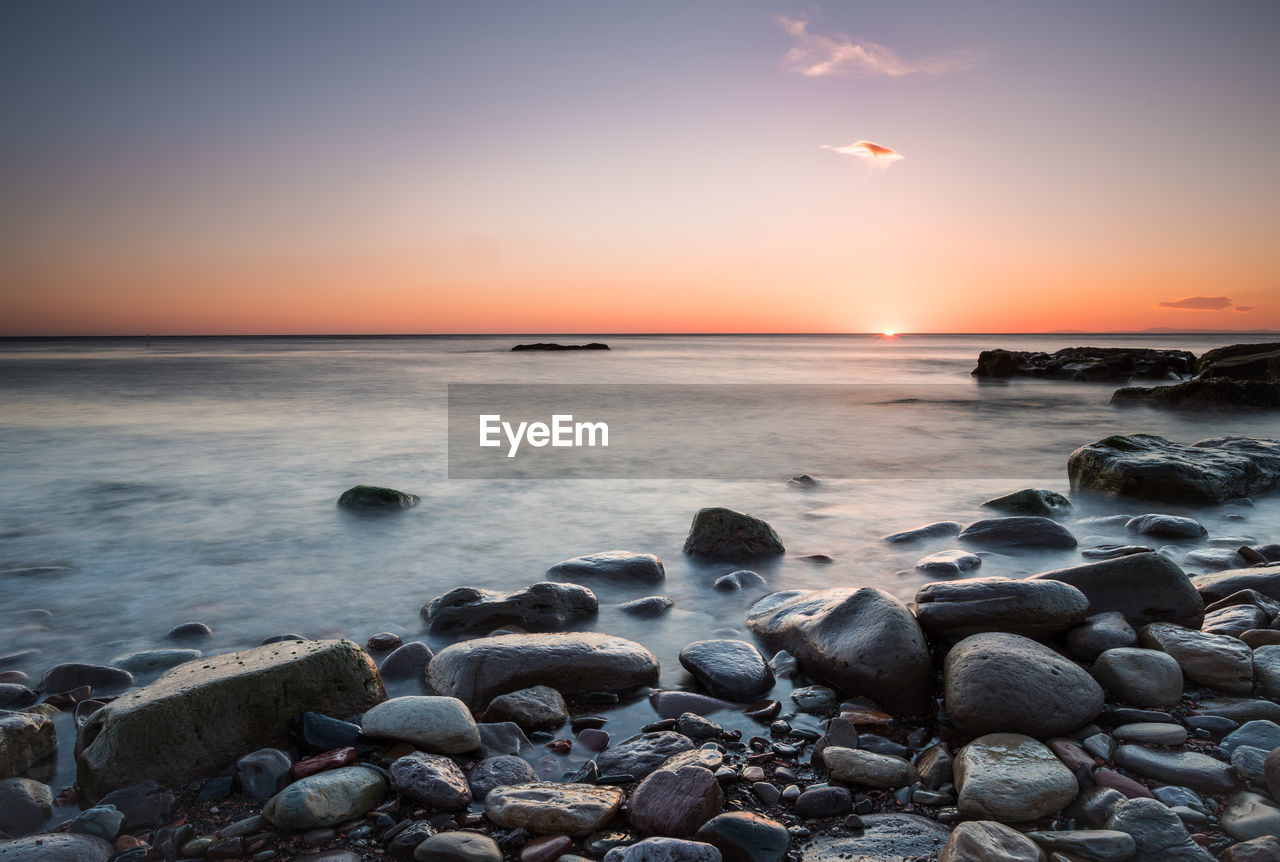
(146, 485)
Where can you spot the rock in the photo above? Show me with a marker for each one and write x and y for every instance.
(1146, 588)
(1260, 734)
(1110, 551)
(724, 534)
(458, 847)
(1213, 559)
(868, 769)
(1023, 531)
(984, 840)
(263, 773)
(145, 806)
(1087, 363)
(1033, 609)
(649, 606)
(642, 754)
(1249, 815)
(1095, 845)
(1259, 638)
(729, 669)
(1240, 709)
(739, 580)
(675, 802)
(383, 642)
(102, 821)
(934, 766)
(616, 565)
(1095, 805)
(862, 641)
(1151, 733)
(205, 715)
(1217, 661)
(438, 724)
(820, 802)
(321, 762)
(1218, 393)
(1158, 834)
(501, 771)
(504, 737)
(696, 727)
(1184, 768)
(16, 696)
(1166, 526)
(1250, 764)
(549, 809)
(407, 661)
(1152, 468)
(192, 631)
(546, 849)
(948, 563)
(431, 779)
(476, 671)
(57, 848)
(25, 805)
(551, 346)
(544, 606)
(371, 498)
(1216, 586)
(885, 838)
(1266, 849)
(743, 836)
(1143, 678)
(150, 661)
(1032, 501)
(1240, 362)
(1010, 778)
(936, 530)
(673, 704)
(536, 708)
(1005, 682)
(70, 675)
(1099, 633)
(326, 799)
(316, 733)
(1235, 620)
(660, 849)
(25, 739)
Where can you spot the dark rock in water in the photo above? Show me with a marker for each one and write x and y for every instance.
(1148, 467)
(543, 606)
(1214, 393)
(884, 838)
(724, 534)
(673, 704)
(1239, 356)
(503, 737)
(743, 836)
(275, 639)
(1146, 588)
(371, 498)
(739, 580)
(1023, 531)
(189, 632)
(1216, 586)
(731, 669)
(1166, 526)
(16, 696)
(1110, 552)
(547, 345)
(862, 641)
(998, 682)
(804, 480)
(65, 677)
(408, 661)
(1030, 608)
(383, 642)
(620, 565)
(1087, 363)
(1032, 501)
(649, 606)
(642, 754)
(948, 563)
(476, 671)
(936, 530)
(500, 771)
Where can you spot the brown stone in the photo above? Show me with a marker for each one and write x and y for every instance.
(675, 802)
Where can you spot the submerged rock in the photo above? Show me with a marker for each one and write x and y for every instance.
(724, 534)
(948, 563)
(619, 565)
(371, 498)
(1030, 608)
(729, 669)
(936, 530)
(1148, 467)
(542, 606)
(649, 606)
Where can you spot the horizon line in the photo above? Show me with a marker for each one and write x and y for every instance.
(881, 334)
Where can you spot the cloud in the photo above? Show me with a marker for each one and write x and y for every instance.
(866, 150)
(1200, 303)
(815, 56)
(1244, 308)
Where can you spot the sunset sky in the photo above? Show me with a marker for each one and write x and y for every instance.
(716, 166)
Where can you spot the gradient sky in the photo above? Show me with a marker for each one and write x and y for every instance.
(320, 167)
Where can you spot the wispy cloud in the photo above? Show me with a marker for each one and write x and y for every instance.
(877, 154)
(1199, 303)
(1244, 308)
(815, 56)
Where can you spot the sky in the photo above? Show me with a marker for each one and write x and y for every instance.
(235, 167)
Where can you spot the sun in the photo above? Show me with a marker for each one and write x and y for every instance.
(889, 333)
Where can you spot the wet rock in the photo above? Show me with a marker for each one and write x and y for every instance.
(326, 799)
(1146, 588)
(1095, 805)
(1032, 501)
(615, 565)
(642, 754)
(102, 821)
(675, 802)
(1250, 815)
(724, 534)
(1217, 393)
(984, 840)
(192, 631)
(1216, 586)
(207, 714)
(544, 606)
(743, 836)
(673, 704)
(476, 671)
(549, 809)
(1096, 845)
(1259, 734)
(504, 737)
(151, 661)
(314, 733)
(383, 642)
(263, 773)
(501, 771)
(820, 802)
(862, 641)
(1111, 551)
(1240, 709)
(25, 804)
(70, 675)
(868, 769)
(729, 669)
(1099, 633)
(649, 606)
(1151, 733)
(1166, 527)
(1141, 677)
(739, 580)
(431, 779)
(1086, 363)
(145, 806)
(659, 849)
(1158, 834)
(1152, 468)
(371, 498)
(25, 739)
(1235, 620)
(1184, 768)
(936, 530)
(458, 847)
(1004, 682)
(15, 696)
(57, 848)
(885, 838)
(408, 661)
(934, 766)
(1010, 778)
(1266, 849)
(1250, 764)
(439, 724)
(1213, 559)
(1030, 608)
(696, 727)
(1022, 531)
(536, 708)
(1220, 662)
(946, 564)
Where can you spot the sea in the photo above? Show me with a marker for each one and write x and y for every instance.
(151, 482)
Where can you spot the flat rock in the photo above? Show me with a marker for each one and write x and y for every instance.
(744, 836)
(1005, 682)
(549, 809)
(1009, 777)
(476, 671)
(70, 675)
(1240, 709)
(985, 840)
(1021, 531)
(1235, 620)
(1144, 678)
(1099, 633)
(948, 563)
(729, 669)
(885, 838)
(1259, 734)
(1030, 608)
(936, 530)
(371, 498)
(326, 798)
(544, 606)
(1151, 733)
(1086, 363)
(25, 739)
(642, 754)
(1146, 588)
(724, 534)
(675, 802)
(862, 641)
(1218, 661)
(1148, 467)
(205, 715)
(615, 565)
(1184, 768)
(1092, 845)
(440, 724)
(861, 768)
(1166, 526)
(649, 606)
(431, 779)
(58, 847)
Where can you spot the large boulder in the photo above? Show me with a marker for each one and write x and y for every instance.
(1087, 363)
(476, 671)
(1019, 531)
(1148, 467)
(1222, 361)
(623, 566)
(1146, 588)
(724, 534)
(544, 606)
(863, 641)
(201, 717)
(998, 682)
(1210, 393)
(1031, 608)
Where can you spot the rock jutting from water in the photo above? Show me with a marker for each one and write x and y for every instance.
(544, 606)
(723, 534)
(552, 346)
(1147, 467)
(371, 498)
(1087, 363)
(617, 565)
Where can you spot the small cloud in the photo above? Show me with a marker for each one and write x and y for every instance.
(1201, 303)
(1243, 308)
(866, 150)
(816, 56)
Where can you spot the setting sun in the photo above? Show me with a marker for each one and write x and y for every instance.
(889, 333)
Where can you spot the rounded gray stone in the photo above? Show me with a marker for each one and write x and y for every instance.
(1145, 678)
(1009, 778)
(974, 605)
(432, 723)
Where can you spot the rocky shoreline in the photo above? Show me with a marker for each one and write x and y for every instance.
(1118, 709)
